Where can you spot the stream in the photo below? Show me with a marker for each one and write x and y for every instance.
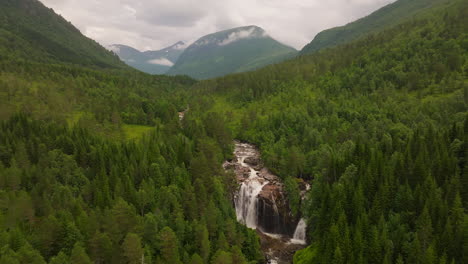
(261, 204)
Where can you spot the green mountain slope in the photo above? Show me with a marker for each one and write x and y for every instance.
(378, 127)
(230, 51)
(387, 16)
(33, 32)
(152, 61)
(95, 165)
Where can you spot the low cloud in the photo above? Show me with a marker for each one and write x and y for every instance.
(152, 25)
(242, 34)
(114, 48)
(180, 46)
(161, 61)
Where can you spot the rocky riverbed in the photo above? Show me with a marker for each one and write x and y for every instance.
(261, 204)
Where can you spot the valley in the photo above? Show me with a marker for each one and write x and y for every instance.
(353, 150)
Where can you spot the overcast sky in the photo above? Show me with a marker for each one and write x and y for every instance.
(155, 24)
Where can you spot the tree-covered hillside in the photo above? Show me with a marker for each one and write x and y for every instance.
(95, 166)
(390, 15)
(32, 32)
(378, 127)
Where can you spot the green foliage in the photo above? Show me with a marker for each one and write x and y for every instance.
(68, 192)
(390, 15)
(377, 127)
(132, 249)
(32, 32)
(214, 55)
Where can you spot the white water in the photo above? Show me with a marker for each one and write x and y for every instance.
(247, 200)
(300, 233)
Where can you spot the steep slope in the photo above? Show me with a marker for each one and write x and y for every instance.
(387, 16)
(33, 32)
(230, 51)
(378, 126)
(152, 62)
(72, 189)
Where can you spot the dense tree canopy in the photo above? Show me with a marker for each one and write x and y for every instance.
(379, 128)
(96, 167)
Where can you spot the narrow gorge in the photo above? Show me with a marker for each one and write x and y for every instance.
(261, 204)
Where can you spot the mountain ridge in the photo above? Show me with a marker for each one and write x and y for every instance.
(149, 61)
(230, 51)
(33, 32)
(389, 15)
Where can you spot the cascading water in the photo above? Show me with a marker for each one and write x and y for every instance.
(247, 199)
(300, 233)
(260, 204)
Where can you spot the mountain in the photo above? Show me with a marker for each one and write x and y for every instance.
(389, 15)
(230, 51)
(33, 32)
(95, 165)
(152, 62)
(377, 126)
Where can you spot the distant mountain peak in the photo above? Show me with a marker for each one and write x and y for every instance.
(229, 36)
(150, 61)
(234, 50)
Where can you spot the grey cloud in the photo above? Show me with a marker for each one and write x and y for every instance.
(175, 13)
(155, 24)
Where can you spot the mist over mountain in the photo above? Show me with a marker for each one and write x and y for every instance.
(230, 51)
(151, 61)
(356, 151)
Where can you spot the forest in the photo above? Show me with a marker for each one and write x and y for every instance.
(379, 128)
(97, 167)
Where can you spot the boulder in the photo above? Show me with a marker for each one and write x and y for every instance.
(255, 162)
(242, 173)
(227, 165)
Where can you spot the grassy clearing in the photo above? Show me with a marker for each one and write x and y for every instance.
(133, 132)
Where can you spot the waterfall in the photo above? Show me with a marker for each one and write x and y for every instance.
(260, 204)
(247, 198)
(300, 233)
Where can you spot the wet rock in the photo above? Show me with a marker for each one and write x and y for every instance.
(303, 187)
(229, 165)
(278, 248)
(242, 173)
(255, 162)
(266, 174)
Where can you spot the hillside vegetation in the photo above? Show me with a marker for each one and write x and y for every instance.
(94, 164)
(390, 15)
(96, 167)
(379, 126)
(29, 31)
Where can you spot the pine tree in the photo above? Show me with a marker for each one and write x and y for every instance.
(79, 256)
(169, 246)
(132, 249)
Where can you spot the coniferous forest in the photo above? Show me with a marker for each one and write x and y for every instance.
(97, 167)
